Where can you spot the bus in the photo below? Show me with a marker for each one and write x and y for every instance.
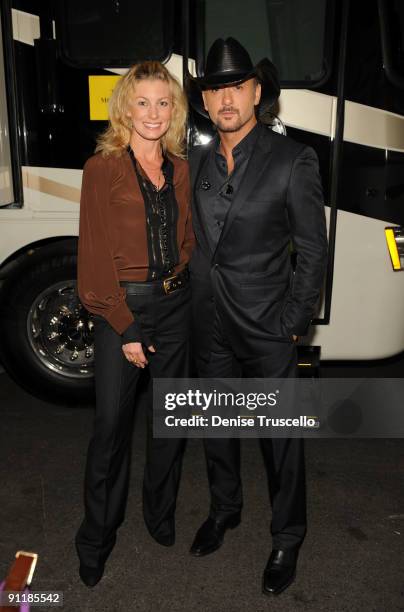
(341, 66)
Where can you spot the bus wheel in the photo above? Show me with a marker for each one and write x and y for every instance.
(46, 333)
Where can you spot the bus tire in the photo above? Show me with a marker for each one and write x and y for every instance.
(46, 337)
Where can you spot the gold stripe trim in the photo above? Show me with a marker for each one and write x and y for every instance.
(53, 188)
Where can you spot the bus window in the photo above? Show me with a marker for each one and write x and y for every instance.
(295, 34)
(391, 15)
(114, 34)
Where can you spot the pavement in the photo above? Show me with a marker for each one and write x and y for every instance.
(352, 558)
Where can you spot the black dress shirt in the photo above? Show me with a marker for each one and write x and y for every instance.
(224, 185)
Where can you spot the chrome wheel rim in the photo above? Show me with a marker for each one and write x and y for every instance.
(61, 331)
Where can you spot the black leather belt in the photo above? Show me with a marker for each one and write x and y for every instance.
(160, 287)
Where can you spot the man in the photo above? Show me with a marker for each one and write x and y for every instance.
(254, 192)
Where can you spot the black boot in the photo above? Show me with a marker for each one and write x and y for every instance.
(91, 575)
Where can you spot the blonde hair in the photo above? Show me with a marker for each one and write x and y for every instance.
(116, 137)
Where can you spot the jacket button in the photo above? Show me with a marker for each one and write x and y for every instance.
(216, 266)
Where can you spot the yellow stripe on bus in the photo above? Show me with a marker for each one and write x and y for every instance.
(391, 243)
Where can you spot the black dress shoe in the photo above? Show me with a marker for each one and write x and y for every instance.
(91, 575)
(210, 535)
(167, 539)
(164, 533)
(279, 572)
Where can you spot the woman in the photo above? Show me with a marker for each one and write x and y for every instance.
(134, 245)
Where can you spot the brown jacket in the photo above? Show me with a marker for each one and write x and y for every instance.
(112, 238)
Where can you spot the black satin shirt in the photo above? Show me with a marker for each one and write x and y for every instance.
(161, 210)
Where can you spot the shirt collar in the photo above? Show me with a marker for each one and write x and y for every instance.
(167, 166)
(167, 169)
(245, 146)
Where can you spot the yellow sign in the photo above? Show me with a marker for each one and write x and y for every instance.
(100, 89)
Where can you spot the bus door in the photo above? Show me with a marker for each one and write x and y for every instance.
(9, 172)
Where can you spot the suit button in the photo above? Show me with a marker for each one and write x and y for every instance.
(216, 266)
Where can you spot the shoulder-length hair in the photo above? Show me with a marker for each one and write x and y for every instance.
(116, 137)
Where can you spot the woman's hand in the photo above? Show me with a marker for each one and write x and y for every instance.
(133, 352)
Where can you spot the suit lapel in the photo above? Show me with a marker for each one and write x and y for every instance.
(256, 167)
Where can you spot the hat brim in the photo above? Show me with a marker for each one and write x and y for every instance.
(265, 71)
(223, 80)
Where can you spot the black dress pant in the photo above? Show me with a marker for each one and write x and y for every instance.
(283, 457)
(165, 320)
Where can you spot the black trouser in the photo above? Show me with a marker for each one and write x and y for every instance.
(283, 457)
(165, 320)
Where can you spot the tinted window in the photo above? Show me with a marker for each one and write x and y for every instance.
(392, 33)
(295, 34)
(115, 33)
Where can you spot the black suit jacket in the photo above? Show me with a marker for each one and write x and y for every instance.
(248, 276)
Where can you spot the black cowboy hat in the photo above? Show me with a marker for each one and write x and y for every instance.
(228, 63)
